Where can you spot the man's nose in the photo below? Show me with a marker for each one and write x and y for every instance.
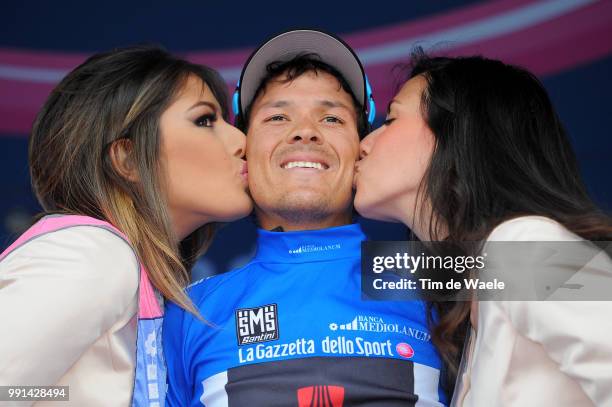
(307, 133)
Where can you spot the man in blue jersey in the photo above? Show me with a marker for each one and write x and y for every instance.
(290, 327)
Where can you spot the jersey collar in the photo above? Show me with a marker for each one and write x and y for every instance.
(309, 245)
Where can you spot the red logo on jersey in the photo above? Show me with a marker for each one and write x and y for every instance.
(405, 350)
(321, 396)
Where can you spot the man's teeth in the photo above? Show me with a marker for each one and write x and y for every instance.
(303, 164)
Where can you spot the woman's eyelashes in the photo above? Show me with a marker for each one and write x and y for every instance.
(388, 121)
(206, 120)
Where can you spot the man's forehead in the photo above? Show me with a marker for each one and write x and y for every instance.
(280, 102)
(279, 91)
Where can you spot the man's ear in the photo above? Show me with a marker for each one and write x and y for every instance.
(122, 157)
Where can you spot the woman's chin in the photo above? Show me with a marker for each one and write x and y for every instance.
(372, 209)
(235, 211)
(224, 212)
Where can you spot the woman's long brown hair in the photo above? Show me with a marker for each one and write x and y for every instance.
(118, 97)
(500, 152)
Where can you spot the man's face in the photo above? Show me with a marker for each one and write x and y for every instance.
(302, 146)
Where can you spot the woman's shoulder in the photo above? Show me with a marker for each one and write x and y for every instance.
(82, 252)
(86, 240)
(532, 228)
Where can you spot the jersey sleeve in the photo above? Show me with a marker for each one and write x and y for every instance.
(179, 386)
(59, 293)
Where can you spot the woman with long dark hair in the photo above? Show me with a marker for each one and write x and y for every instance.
(473, 150)
(132, 161)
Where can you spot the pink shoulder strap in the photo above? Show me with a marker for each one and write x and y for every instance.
(148, 306)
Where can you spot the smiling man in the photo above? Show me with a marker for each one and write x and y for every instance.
(302, 146)
(290, 327)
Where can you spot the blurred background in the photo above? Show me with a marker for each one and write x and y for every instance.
(567, 43)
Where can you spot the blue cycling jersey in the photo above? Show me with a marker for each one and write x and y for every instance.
(291, 329)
